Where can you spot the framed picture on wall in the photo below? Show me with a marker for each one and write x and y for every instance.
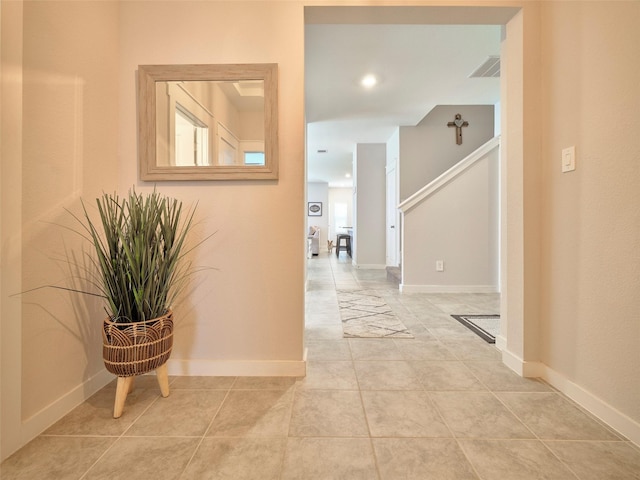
(314, 209)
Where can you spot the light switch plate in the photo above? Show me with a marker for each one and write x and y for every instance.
(568, 159)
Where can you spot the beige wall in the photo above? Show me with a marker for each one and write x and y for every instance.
(246, 316)
(10, 225)
(573, 260)
(60, 64)
(76, 111)
(590, 218)
(69, 153)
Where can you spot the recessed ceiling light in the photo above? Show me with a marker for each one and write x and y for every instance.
(368, 81)
(348, 175)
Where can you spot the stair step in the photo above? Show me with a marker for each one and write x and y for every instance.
(394, 274)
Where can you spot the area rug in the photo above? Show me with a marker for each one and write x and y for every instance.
(365, 314)
(486, 327)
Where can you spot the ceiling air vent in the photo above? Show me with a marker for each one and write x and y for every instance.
(490, 68)
(322, 150)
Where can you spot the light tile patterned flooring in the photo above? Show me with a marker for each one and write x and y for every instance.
(440, 406)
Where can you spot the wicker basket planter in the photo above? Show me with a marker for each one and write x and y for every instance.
(137, 348)
(138, 242)
(131, 349)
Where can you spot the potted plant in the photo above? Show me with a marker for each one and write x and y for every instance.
(139, 242)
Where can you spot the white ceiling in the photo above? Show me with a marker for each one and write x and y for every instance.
(418, 67)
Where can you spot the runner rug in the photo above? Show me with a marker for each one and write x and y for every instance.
(486, 327)
(365, 314)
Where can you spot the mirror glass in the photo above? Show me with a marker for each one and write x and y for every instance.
(208, 122)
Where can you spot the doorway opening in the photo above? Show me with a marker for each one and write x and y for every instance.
(337, 18)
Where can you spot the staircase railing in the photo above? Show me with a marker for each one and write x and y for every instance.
(439, 182)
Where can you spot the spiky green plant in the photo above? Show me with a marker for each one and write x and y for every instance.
(139, 253)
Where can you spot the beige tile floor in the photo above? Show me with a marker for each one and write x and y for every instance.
(439, 406)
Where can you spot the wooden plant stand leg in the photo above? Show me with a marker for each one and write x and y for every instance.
(125, 385)
(123, 388)
(163, 379)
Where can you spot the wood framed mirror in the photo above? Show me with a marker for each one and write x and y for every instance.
(208, 122)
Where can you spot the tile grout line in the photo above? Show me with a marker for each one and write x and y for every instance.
(288, 436)
(359, 389)
(119, 437)
(204, 435)
(366, 417)
(536, 437)
(455, 437)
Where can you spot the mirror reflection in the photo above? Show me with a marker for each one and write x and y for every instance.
(208, 122)
(205, 123)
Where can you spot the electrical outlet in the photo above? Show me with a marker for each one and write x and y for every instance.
(439, 265)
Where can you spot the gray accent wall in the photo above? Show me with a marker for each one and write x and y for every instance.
(429, 149)
(369, 243)
(457, 225)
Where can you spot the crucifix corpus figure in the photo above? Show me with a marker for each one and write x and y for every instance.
(458, 123)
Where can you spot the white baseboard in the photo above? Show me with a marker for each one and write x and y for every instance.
(42, 420)
(501, 343)
(617, 420)
(240, 368)
(522, 368)
(611, 416)
(448, 288)
(39, 422)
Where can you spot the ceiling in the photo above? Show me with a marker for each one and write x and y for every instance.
(417, 66)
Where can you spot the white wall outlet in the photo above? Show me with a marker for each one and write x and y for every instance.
(439, 265)
(568, 159)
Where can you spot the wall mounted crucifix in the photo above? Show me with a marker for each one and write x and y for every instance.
(458, 123)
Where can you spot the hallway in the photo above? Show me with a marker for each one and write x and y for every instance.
(442, 405)
(439, 406)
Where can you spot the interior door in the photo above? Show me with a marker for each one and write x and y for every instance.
(392, 218)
